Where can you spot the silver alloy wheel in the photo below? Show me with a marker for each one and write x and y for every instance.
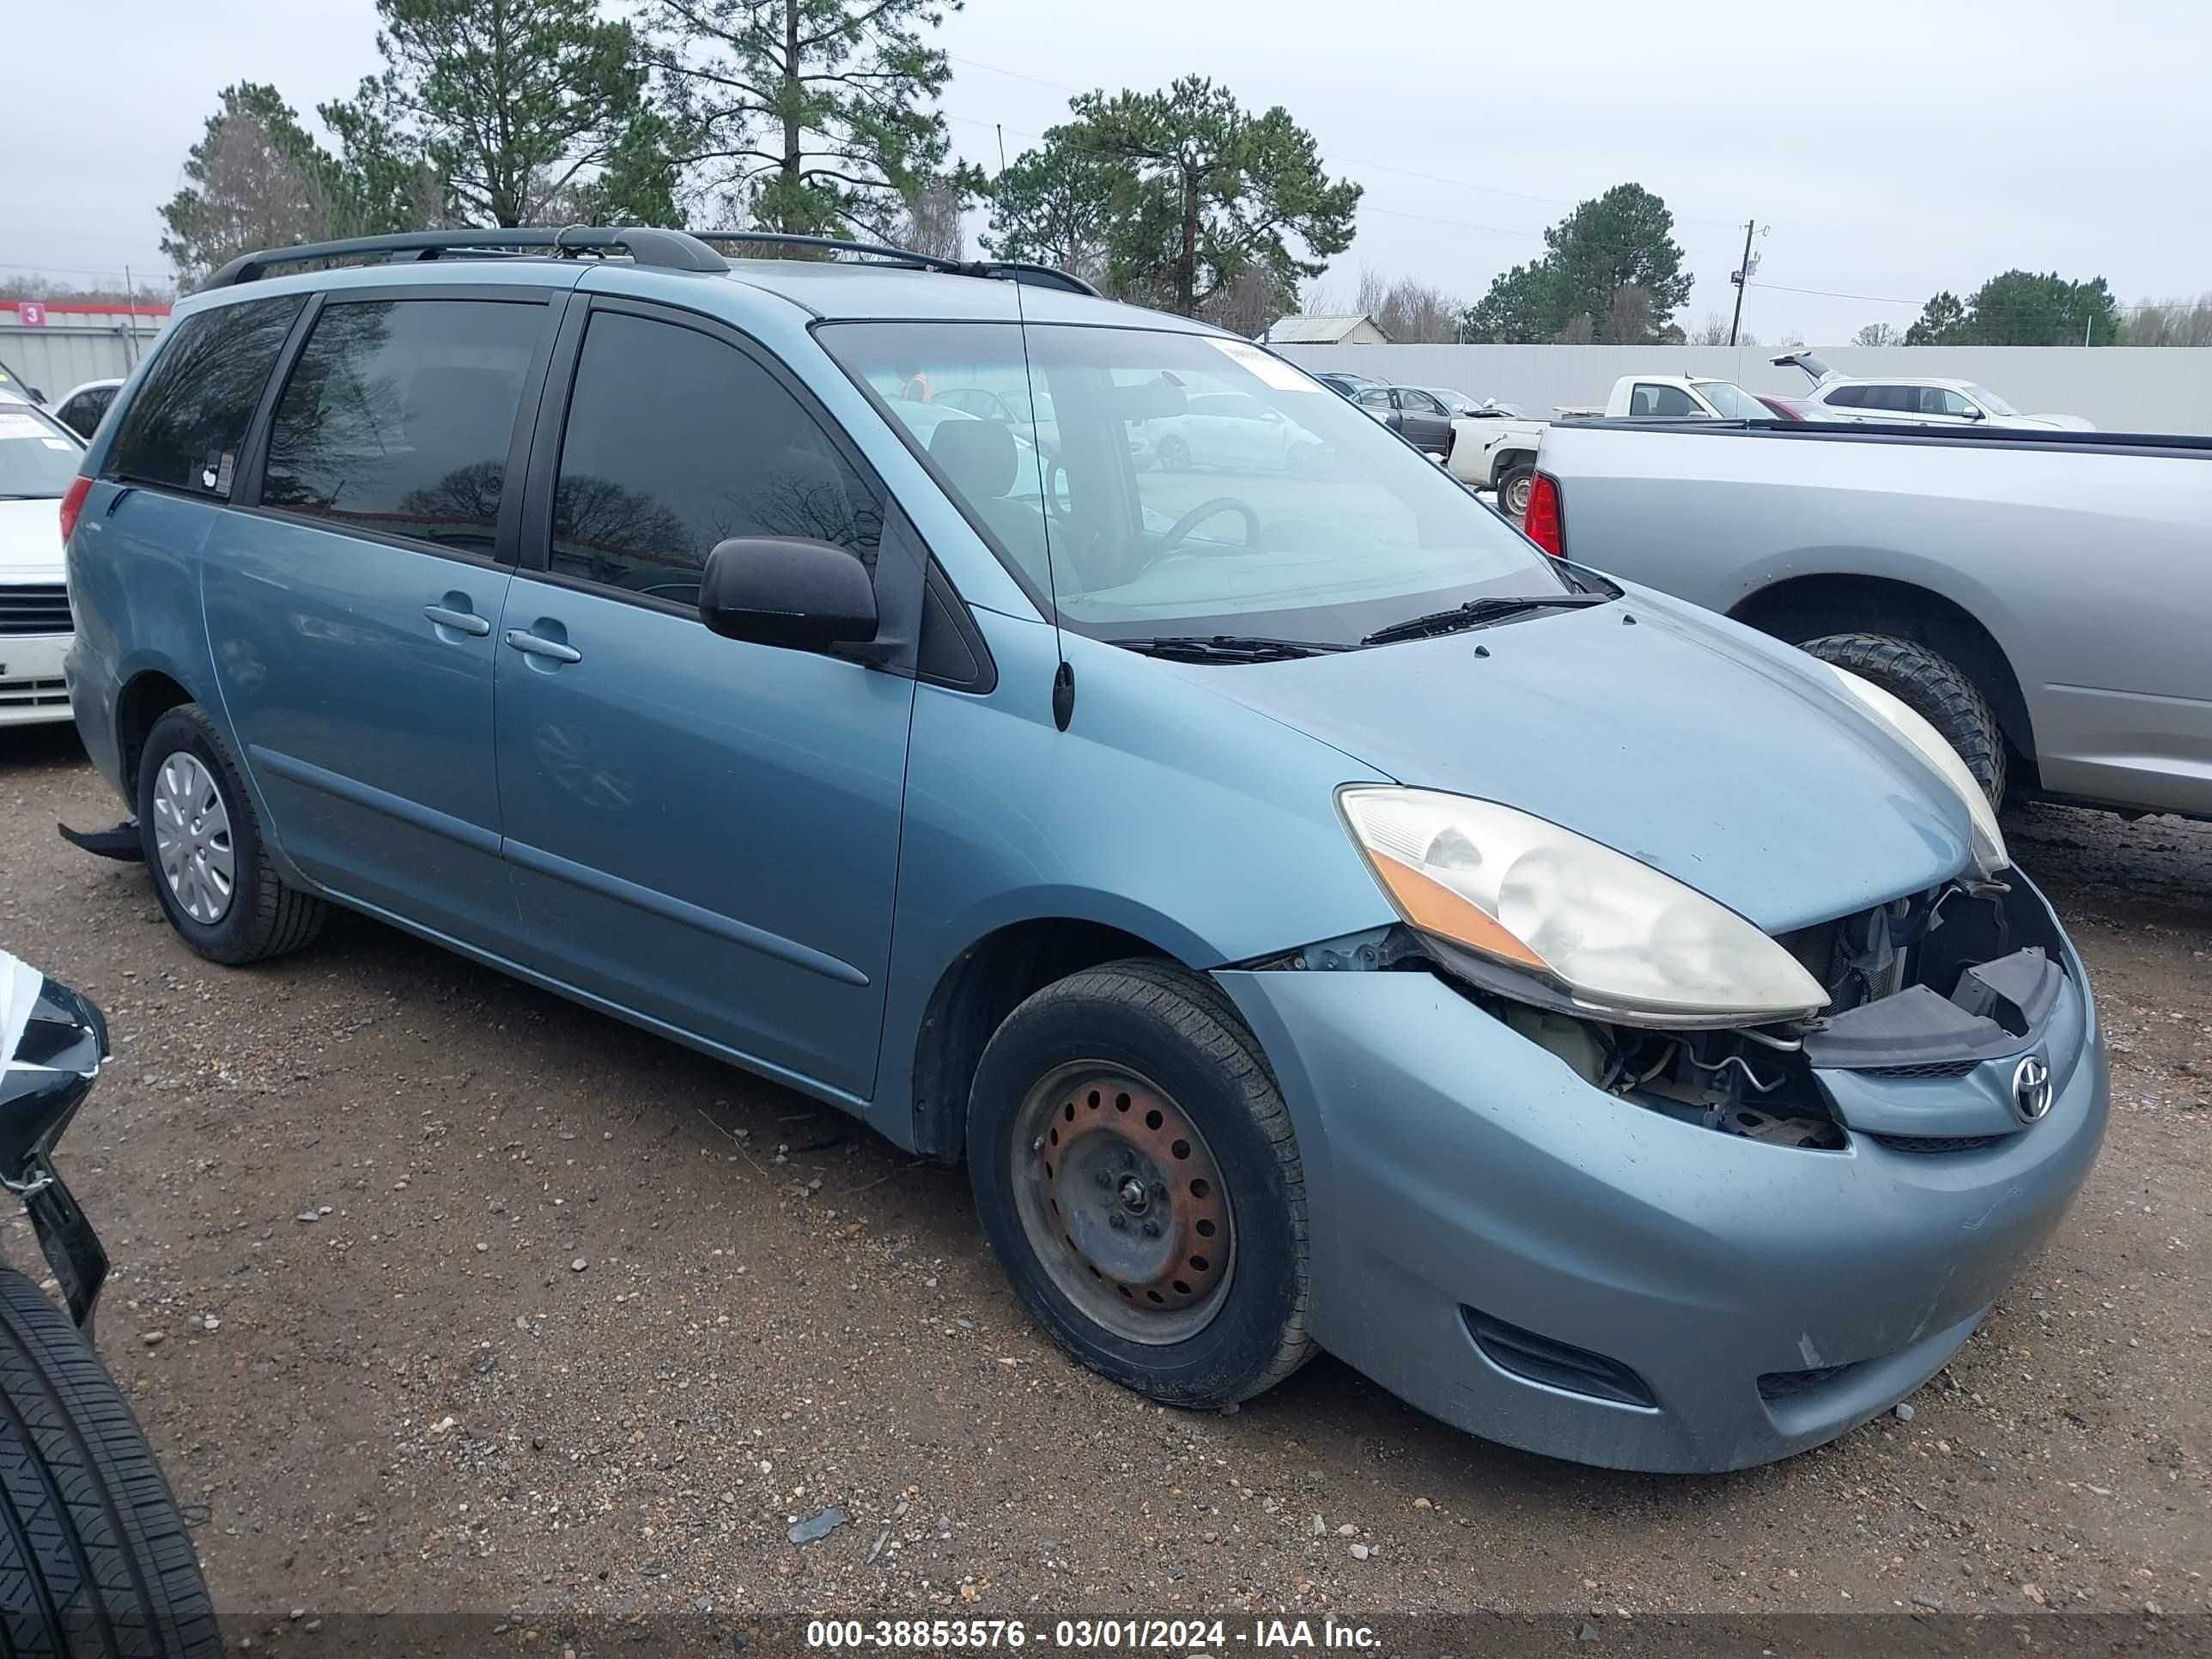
(1123, 1202)
(191, 837)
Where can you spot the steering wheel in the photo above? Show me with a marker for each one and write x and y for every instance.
(1180, 529)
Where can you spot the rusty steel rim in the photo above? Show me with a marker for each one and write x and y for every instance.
(1123, 1202)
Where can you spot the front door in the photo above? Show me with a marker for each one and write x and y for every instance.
(700, 831)
(352, 613)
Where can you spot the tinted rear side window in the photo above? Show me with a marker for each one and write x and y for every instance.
(187, 424)
(676, 442)
(1847, 397)
(398, 414)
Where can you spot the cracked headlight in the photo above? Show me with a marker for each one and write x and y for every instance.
(1619, 939)
(1989, 847)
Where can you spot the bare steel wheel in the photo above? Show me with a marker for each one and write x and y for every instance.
(191, 834)
(1123, 1203)
(1138, 1174)
(1514, 491)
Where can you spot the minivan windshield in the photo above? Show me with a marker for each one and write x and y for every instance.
(38, 458)
(1188, 484)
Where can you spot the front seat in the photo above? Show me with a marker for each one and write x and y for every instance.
(981, 462)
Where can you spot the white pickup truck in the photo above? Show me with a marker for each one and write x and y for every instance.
(1498, 452)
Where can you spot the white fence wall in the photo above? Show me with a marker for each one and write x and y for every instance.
(2121, 388)
(63, 354)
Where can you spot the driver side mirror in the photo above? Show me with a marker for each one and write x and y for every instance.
(784, 591)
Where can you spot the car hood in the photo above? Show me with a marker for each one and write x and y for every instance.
(31, 539)
(1734, 764)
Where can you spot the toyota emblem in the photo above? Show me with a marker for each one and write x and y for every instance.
(2031, 1089)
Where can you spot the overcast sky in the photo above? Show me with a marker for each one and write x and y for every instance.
(1894, 149)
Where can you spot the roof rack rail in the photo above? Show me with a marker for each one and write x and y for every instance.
(1015, 270)
(666, 250)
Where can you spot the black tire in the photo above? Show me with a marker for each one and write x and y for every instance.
(1180, 1031)
(1173, 454)
(1513, 490)
(1934, 688)
(265, 918)
(94, 1559)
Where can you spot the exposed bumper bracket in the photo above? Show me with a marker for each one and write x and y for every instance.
(121, 843)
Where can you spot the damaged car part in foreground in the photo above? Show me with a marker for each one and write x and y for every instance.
(1707, 1085)
(90, 1533)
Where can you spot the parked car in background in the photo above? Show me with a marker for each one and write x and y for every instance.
(95, 1553)
(1461, 406)
(1498, 452)
(1787, 409)
(13, 388)
(1344, 383)
(82, 406)
(1414, 415)
(1319, 919)
(1232, 431)
(39, 460)
(1920, 400)
(2043, 599)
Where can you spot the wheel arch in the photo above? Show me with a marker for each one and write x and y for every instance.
(977, 989)
(1801, 608)
(145, 697)
(1508, 460)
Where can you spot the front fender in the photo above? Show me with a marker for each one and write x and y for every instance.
(1164, 811)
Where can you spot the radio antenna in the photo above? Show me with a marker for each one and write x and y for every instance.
(1063, 676)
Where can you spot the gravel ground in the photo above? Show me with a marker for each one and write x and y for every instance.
(436, 1292)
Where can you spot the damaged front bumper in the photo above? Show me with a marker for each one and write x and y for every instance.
(1550, 1265)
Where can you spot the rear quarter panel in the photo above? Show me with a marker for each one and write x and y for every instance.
(2088, 566)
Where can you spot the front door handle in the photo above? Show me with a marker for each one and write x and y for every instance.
(533, 644)
(465, 622)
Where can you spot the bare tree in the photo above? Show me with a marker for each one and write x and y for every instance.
(249, 190)
(1411, 312)
(930, 222)
(1879, 334)
(2170, 323)
(1581, 329)
(1714, 331)
(1627, 319)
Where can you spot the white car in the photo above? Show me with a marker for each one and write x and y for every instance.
(39, 458)
(82, 406)
(1914, 400)
(1234, 431)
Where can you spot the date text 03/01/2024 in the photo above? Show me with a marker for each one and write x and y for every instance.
(1172, 1635)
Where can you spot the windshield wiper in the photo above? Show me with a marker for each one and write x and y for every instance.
(1227, 647)
(1475, 613)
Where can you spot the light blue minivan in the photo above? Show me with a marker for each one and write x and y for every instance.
(1320, 920)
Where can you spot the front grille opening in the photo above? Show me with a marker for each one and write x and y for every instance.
(1787, 1385)
(1925, 1068)
(1939, 1143)
(1556, 1364)
(38, 608)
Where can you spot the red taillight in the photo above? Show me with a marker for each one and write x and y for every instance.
(1541, 524)
(73, 504)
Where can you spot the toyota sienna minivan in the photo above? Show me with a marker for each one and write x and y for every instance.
(1320, 920)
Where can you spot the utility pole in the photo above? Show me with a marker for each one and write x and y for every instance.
(1741, 278)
